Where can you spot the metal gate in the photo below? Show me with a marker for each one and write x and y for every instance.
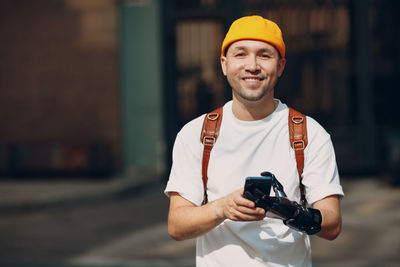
(327, 74)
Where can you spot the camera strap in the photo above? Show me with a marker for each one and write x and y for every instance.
(297, 135)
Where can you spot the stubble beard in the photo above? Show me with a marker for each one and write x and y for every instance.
(251, 96)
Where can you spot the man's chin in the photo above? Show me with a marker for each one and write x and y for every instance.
(252, 95)
(252, 98)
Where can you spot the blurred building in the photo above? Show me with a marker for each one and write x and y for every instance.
(101, 87)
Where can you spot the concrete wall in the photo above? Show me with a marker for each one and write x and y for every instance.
(141, 83)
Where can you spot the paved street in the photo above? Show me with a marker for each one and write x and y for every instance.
(130, 229)
(67, 234)
(371, 228)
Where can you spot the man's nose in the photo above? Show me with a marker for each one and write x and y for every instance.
(252, 64)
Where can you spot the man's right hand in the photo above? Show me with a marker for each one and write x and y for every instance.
(186, 220)
(237, 208)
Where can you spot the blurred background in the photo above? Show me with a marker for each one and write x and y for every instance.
(93, 92)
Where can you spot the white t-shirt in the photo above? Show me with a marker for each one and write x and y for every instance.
(247, 148)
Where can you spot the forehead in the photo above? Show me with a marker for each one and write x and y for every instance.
(255, 45)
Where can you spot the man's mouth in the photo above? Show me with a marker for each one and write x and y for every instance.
(252, 79)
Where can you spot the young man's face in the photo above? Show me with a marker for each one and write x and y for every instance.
(252, 69)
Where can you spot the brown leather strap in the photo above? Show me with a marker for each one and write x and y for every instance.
(209, 135)
(297, 134)
(298, 141)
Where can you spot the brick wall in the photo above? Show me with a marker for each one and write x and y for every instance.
(59, 74)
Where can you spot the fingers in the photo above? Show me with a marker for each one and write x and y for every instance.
(238, 208)
(241, 213)
(239, 199)
(242, 217)
(248, 214)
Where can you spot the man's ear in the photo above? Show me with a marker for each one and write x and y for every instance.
(281, 66)
(223, 64)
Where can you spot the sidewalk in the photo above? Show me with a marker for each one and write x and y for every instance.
(18, 195)
(370, 233)
(370, 228)
(371, 217)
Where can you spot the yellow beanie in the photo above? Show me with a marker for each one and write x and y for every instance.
(254, 28)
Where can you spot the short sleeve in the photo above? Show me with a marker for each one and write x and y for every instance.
(320, 175)
(185, 177)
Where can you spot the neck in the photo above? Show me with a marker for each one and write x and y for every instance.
(246, 111)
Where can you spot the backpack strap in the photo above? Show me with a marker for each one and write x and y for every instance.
(298, 141)
(208, 137)
(297, 134)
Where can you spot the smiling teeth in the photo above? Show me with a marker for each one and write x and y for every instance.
(252, 79)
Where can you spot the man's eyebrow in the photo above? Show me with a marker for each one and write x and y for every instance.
(266, 49)
(269, 50)
(239, 48)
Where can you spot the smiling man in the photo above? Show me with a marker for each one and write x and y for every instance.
(231, 229)
(252, 69)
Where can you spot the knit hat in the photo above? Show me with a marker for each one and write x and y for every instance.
(254, 28)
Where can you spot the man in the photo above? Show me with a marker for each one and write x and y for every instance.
(230, 229)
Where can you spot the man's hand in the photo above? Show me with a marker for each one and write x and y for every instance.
(237, 208)
(186, 220)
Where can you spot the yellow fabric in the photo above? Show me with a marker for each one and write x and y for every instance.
(254, 28)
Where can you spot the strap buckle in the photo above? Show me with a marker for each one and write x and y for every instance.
(297, 147)
(209, 141)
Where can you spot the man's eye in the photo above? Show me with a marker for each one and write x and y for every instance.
(240, 54)
(265, 56)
